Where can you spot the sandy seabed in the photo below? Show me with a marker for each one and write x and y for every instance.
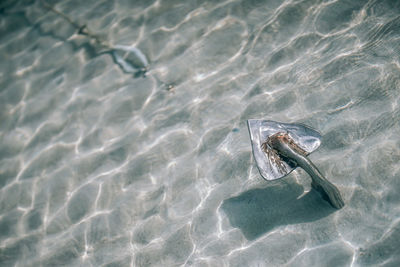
(103, 167)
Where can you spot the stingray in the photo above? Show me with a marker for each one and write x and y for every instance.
(279, 148)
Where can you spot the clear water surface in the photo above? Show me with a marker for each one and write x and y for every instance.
(100, 166)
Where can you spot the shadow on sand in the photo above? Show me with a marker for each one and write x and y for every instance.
(258, 211)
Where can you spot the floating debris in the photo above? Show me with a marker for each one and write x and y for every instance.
(281, 147)
(130, 59)
(170, 87)
(261, 130)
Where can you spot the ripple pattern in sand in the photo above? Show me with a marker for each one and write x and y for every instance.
(99, 167)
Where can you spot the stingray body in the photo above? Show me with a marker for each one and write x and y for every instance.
(281, 147)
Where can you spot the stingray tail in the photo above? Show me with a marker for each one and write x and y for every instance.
(328, 190)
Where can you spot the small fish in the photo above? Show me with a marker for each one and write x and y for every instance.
(281, 147)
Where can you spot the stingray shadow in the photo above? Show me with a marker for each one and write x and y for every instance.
(258, 211)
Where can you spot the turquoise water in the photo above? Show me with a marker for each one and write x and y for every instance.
(101, 165)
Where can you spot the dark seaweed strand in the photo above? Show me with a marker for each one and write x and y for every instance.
(82, 29)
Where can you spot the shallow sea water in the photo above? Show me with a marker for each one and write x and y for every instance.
(99, 167)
